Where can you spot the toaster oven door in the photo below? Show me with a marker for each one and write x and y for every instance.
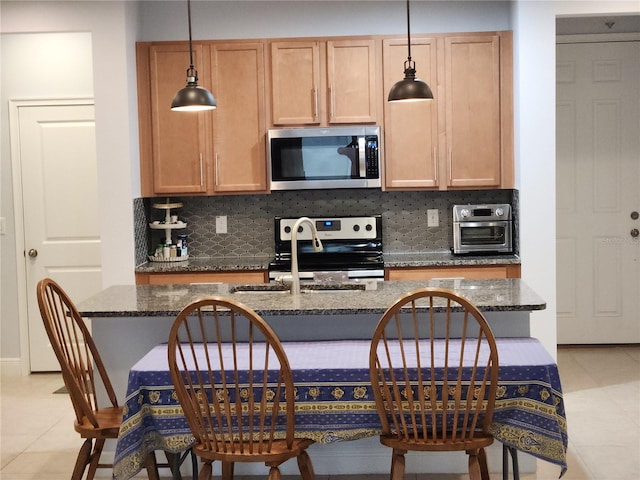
(482, 237)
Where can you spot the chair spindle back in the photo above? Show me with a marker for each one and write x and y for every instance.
(434, 368)
(80, 363)
(232, 377)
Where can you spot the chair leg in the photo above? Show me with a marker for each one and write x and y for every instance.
(174, 460)
(305, 466)
(227, 470)
(516, 468)
(475, 472)
(95, 458)
(83, 459)
(151, 465)
(513, 452)
(206, 472)
(397, 464)
(484, 469)
(274, 473)
(194, 464)
(505, 462)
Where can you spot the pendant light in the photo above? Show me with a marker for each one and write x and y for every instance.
(410, 88)
(192, 98)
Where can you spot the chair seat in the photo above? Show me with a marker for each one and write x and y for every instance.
(436, 445)
(109, 420)
(279, 452)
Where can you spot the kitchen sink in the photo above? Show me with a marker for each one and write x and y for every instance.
(304, 288)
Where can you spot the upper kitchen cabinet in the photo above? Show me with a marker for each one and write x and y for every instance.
(215, 152)
(239, 154)
(324, 83)
(463, 138)
(478, 110)
(411, 128)
(173, 145)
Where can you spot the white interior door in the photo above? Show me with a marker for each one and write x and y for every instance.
(598, 184)
(60, 210)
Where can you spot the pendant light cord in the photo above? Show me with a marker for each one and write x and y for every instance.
(408, 33)
(190, 42)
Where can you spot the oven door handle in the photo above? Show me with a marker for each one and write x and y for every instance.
(498, 223)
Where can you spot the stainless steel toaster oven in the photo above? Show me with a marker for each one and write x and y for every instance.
(482, 229)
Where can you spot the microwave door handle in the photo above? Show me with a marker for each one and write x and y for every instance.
(362, 157)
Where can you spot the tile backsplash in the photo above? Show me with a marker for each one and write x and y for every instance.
(250, 218)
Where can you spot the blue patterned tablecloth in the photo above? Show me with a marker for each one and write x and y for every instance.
(334, 401)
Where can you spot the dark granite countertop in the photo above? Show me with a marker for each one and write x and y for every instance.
(206, 264)
(167, 300)
(442, 258)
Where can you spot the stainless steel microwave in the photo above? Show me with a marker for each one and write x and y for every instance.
(334, 157)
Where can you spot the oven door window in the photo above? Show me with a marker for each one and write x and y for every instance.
(483, 235)
(314, 158)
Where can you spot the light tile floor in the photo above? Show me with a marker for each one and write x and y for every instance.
(601, 388)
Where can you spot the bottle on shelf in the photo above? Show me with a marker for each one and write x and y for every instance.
(168, 251)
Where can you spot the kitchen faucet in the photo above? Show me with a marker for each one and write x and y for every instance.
(317, 247)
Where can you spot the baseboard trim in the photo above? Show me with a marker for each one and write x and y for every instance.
(10, 367)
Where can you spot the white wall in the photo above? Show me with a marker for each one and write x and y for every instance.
(34, 66)
(109, 26)
(115, 25)
(535, 134)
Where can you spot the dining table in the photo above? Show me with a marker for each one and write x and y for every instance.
(334, 401)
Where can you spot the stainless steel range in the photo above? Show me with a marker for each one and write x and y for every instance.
(352, 245)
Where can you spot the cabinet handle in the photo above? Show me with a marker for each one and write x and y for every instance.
(435, 165)
(201, 170)
(331, 103)
(216, 174)
(315, 103)
(450, 168)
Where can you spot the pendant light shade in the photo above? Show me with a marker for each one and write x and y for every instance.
(192, 98)
(410, 88)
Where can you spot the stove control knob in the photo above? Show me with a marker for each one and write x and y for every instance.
(287, 229)
(464, 213)
(369, 227)
(499, 212)
(356, 228)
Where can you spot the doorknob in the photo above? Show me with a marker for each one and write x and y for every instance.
(33, 253)
(635, 232)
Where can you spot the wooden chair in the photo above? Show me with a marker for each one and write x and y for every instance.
(82, 371)
(434, 371)
(234, 383)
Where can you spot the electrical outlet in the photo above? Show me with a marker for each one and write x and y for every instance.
(221, 224)
(432, 217)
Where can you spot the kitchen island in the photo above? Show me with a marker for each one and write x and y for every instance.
(128, 321)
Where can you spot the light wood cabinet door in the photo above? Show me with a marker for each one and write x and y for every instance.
(204, 277)
(471, 272)
(177, 158)
(351, 81)
(295, 83)
(410, 128)
(472, 110)
(464, 138)
(239, 154)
